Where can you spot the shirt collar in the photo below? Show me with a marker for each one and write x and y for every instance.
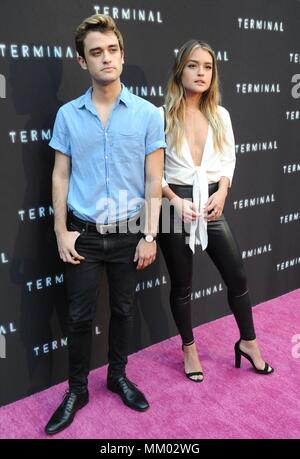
(125, 95)
(86, 99)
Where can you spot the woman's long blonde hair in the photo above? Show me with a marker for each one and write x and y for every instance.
(175, 100)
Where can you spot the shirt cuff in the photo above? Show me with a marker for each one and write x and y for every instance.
(227, 173)
(59, 147)
(155, 146)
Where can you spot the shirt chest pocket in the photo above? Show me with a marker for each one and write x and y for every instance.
(127, 146)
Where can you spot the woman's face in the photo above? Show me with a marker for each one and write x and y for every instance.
(197, 73)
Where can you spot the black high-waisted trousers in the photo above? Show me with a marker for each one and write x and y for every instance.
(224, 252)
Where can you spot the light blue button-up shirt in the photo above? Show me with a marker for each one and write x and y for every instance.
(107, 181)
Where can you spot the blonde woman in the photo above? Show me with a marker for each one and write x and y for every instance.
(199, 166)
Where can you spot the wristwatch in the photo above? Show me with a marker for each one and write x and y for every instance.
(149, 237)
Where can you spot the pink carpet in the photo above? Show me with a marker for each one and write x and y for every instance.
(230, 403)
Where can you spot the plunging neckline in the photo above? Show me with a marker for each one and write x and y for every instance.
(204, 148)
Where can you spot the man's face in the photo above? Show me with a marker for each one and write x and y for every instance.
(103, 58)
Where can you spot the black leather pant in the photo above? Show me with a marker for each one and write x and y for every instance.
(224, 252)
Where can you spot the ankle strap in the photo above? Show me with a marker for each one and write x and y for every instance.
(188, 344)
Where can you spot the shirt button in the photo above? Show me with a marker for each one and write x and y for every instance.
(107, 179)
(106, 157)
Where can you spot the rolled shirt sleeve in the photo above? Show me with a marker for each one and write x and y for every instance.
(60, 139)
(162, 115)
(228, 158)
(155, 136)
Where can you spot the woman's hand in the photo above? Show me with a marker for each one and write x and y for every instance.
(215, 205)
(185, 209)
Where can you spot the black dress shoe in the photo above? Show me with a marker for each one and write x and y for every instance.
(66, 411)
(130, 395)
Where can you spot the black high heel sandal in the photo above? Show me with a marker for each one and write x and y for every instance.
(239, 354)
(193, 373)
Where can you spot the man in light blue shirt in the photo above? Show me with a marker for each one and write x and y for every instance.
(107, 175)
(107, 159)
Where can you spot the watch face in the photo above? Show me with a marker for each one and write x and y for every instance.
(149, 238)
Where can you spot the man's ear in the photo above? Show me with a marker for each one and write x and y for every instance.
(81, 61)
(123, 56)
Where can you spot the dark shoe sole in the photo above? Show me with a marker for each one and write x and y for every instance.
(69, 423)
(125, 401)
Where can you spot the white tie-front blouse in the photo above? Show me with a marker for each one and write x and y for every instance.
(180, 170)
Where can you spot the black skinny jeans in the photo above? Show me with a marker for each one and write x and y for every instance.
(224, 252)
(115, 252)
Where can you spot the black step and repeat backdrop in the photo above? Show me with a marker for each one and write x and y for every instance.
(258, 50)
